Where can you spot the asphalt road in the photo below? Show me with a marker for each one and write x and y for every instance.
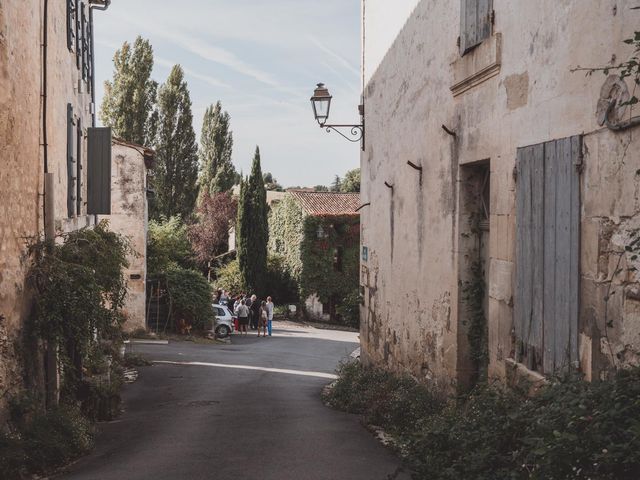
(248, 410)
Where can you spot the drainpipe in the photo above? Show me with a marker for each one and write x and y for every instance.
(100, 5)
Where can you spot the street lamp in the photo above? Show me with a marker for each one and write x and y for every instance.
(321, 103)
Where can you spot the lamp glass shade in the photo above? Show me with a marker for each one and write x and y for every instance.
(321, 103)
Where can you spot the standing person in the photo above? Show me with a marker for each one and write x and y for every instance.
(262, 318)
(243, 317)
(247, 302)
(269, 314)
(255, 312)
(224, 298)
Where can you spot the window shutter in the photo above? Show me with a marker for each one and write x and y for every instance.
(71, 167)
(475, 23)
(79, 168)
(78, 35)
(89, 38)
(547, 254)
(99, 171)
(85, 43)
(71, 24)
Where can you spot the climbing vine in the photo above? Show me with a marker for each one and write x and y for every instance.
(80, 289)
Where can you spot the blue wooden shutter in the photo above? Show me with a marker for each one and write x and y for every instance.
(475, 23)
(71, 163)
(99, 170)
(547, 254)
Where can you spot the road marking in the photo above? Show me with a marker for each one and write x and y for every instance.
(304, 373)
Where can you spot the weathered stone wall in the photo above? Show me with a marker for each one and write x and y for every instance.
(20, 179)
(515, 89)
(129, 217)
(22, 159)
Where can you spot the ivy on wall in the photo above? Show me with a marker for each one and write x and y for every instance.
(311, 245)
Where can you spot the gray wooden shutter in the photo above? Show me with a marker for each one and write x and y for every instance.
(79, 167)
(475, 23)
(71, 24)
(85, 44)
(99, 171)
(71, 163)
(547, 254)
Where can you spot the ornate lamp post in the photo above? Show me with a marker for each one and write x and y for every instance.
(321, 104)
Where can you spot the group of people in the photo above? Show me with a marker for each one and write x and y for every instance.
(252, 312)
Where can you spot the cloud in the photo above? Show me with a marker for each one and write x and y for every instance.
(336, 56)
(215, 82)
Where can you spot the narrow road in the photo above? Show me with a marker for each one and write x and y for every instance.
(248, 410)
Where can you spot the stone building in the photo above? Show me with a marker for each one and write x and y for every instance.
(317, 233)
(503, 189)
(47, 110)
(130, 217)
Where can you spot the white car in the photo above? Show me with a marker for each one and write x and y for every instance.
(223, 324)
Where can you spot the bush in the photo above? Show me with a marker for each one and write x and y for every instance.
(190, 296)
(43, 441)
(349, 309)
(280, 286)
(571, 430)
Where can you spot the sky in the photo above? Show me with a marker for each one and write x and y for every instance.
(262, 60)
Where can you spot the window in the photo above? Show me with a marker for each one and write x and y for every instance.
(547, 254)
(72, 11)
(71, 162)
(476, 17)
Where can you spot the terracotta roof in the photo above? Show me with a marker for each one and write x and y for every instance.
(327, 203)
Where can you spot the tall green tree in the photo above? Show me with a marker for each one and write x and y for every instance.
(129, 99)
(252, 231)
(217, 173)
(351, 181)
(176, 171)
(336, 186)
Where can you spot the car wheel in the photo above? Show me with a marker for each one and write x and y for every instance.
(223, 331)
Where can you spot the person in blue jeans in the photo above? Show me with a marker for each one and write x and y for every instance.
(269, 308)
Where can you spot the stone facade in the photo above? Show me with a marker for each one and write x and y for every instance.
(129, 217)
(22, 149)
(461, 119)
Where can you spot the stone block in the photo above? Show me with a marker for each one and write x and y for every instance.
(501, 280)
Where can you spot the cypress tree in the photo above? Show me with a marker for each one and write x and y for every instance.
(129, 98)
(252, 229)
(217, 172)
(176, 172)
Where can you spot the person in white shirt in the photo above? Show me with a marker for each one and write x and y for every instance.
(243, 317)
(269, 314)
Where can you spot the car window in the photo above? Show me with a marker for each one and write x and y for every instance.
(219, 312)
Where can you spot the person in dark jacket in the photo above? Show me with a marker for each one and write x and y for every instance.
(255, 312)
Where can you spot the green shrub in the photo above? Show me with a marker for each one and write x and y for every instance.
(349, 309)
(228, 277)
(190, 296)
(571, 430)
(43, 441)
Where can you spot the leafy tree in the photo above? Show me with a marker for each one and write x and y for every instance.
(129, 98)
(351, 181)
(271, 183)
(336, 186)
(168, 246)
(217, 172)
(321, 188)
(216, 214)
(252, 230)
(176, 172)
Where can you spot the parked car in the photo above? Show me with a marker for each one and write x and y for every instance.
(224, 320)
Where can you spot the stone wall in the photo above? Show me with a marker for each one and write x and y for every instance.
(22, 158)
(513, 90)
(129, 217)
